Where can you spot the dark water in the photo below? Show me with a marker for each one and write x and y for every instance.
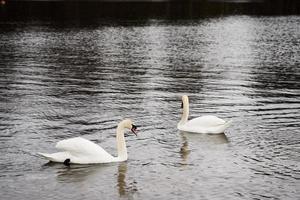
(62, 80)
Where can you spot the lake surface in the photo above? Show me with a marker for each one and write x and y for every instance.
(66, 79)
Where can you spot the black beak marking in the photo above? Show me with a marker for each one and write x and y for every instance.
(134, 129)
(182, 104)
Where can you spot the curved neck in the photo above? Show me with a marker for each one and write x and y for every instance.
(121, 145)
(185, 113)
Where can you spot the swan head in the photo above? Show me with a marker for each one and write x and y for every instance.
(127, 123)
(185, 100)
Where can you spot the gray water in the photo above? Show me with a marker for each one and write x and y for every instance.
(63, 80)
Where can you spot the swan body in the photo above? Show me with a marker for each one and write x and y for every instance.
(205, 124)
(82, 151)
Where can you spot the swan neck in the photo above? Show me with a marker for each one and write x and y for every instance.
(121, 144)
(185, 113)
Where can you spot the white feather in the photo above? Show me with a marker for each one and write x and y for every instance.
(205, 124)
(83, 151)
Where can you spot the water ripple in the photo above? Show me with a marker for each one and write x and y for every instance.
(62, 81)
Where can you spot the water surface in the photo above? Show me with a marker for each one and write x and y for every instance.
(63, 80)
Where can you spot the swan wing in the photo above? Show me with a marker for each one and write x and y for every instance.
(205, 124)
(82, 147)
(206, 121)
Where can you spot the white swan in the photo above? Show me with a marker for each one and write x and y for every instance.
(204, 124)
(82, 151)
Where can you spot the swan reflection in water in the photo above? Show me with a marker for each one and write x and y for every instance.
(82, 173)
(76, 172)
(184, 150)
(204, 140)
(125, 190)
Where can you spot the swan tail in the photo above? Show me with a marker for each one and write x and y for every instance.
(55, 157)
(222, 128)
(227, 124)
(46, 155)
